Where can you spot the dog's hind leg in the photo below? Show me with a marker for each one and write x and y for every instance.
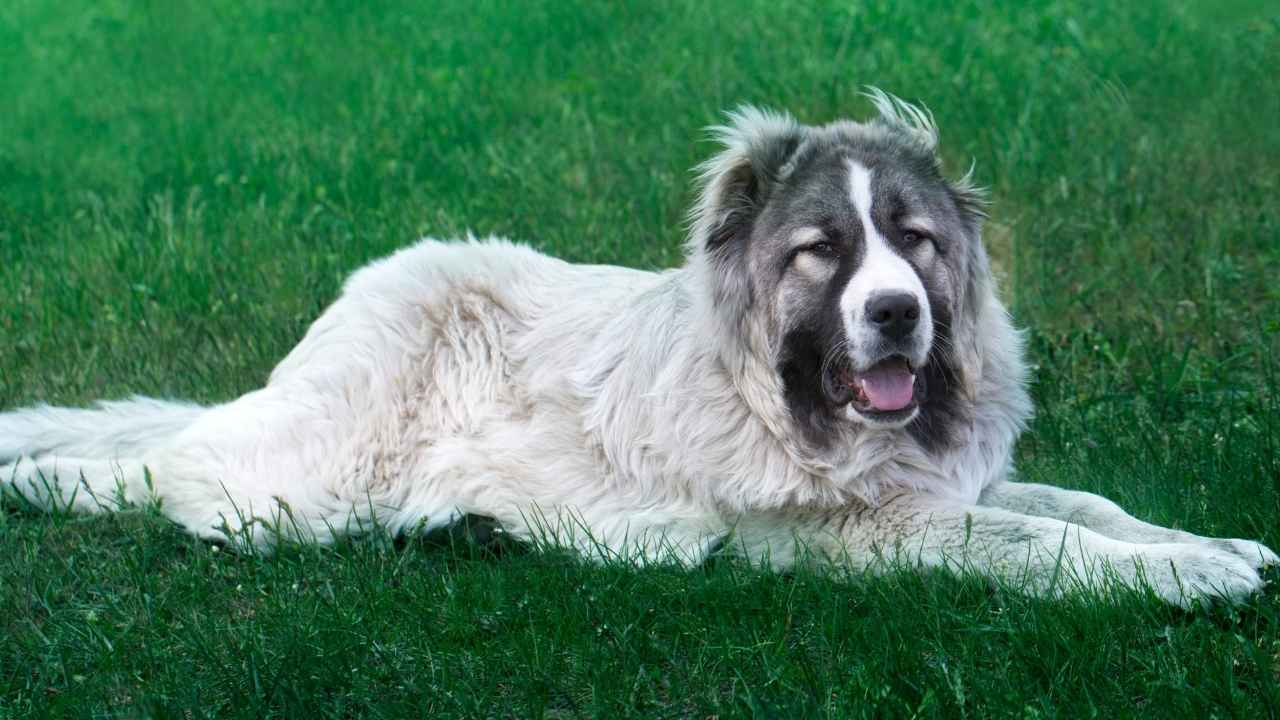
(86, 459)
(192, 499)
(279, 463)
(1107, 518)
(290, 463)
(62, 484)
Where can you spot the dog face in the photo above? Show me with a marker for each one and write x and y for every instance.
(856, 253)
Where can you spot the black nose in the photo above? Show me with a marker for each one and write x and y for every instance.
(895, 314)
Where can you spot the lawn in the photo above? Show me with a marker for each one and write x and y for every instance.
(183, 187)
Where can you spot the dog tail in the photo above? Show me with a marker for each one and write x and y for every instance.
(123, 428)
(108, 435)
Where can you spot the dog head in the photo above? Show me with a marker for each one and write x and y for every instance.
(854, 258)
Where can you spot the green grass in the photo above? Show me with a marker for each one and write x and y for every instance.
(183, 187)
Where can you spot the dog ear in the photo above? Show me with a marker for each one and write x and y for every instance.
(736, 182)
(912, 121)
(734, 187)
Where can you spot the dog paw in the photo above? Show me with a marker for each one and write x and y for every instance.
(1258, 556)
(12, 472)
(1184, 574)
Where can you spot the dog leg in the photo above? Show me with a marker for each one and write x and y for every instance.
(188, 494)
(279, 464)
(1040, 555)
(1105, 517)
(63, 484)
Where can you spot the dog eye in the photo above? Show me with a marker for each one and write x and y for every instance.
(823, 248)
(912, 239)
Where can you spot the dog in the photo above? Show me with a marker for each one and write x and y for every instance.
(829, 379)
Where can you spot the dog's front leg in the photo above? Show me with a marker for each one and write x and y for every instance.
(1037, 554)
(1105, 517)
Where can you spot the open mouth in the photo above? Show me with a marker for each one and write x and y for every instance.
(889, 389)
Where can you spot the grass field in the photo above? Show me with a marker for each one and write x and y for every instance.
(184, 185)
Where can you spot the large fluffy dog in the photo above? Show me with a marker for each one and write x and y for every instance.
(830, 375)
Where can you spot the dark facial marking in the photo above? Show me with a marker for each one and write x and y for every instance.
(941, 410)
(815, 194)
(804, 348)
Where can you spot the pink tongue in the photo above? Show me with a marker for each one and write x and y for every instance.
(888, 388)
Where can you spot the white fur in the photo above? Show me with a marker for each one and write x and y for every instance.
(619, 411)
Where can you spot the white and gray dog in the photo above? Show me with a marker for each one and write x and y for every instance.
(829, 377)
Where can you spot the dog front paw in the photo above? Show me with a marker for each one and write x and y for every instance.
(1258, 556)
(1183, 574)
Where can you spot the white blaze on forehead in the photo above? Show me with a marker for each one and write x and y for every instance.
(881, 271)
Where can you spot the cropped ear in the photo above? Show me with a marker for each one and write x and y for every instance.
(734, 187)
